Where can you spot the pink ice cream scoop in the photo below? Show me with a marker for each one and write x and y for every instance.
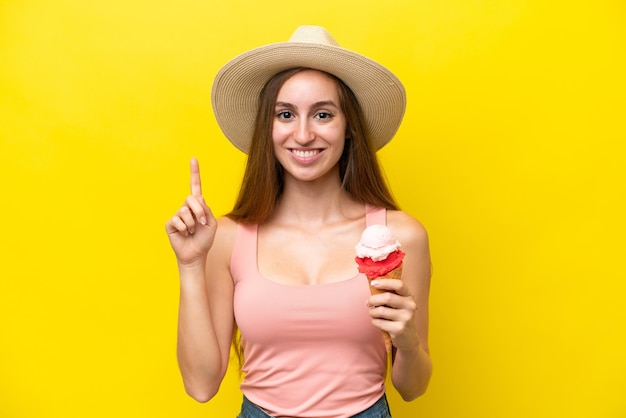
(378, 252)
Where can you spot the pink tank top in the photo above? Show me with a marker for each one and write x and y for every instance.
(309, 350)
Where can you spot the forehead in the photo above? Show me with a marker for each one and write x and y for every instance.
(309, 84)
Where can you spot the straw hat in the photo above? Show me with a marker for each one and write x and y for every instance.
(238, 84)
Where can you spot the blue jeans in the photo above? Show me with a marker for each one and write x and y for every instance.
(379, 410)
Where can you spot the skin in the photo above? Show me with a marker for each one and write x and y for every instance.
(313, 216)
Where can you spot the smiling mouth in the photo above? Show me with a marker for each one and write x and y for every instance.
(305, 153)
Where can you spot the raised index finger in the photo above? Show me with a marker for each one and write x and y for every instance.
(196, 185)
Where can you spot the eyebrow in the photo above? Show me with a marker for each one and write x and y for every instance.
(321, 103)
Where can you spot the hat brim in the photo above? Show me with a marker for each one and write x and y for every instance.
(237, 86)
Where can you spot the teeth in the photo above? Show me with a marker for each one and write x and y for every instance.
(305, 153)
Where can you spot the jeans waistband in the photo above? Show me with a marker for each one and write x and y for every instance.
(379, 410)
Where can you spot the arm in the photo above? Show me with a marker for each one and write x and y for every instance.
(403, 311)
(205, 320)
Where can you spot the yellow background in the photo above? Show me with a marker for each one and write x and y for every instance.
(512, 154)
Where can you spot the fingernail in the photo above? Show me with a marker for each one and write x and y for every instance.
(374, 283)
(203, 220)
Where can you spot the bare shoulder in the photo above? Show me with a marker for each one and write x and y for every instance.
(223, 243)
(413, 239)
(226, 227)
(408, 230)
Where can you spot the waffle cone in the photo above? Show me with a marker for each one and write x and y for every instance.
(395, 274)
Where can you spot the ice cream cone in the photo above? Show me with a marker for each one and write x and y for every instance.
(378, 256)
(393, 274)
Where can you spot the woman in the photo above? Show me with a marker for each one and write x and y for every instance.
(280, 266)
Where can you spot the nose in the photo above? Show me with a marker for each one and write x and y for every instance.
(304, 133)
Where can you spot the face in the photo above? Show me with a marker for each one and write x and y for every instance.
(309, 127)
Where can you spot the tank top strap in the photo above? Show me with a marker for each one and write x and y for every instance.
(375, 215)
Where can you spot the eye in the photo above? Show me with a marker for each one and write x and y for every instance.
(285, 114)
(323, 115)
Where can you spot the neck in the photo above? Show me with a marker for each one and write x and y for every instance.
(314, 203)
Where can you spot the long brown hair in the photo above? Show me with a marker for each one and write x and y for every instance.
(263, 180)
